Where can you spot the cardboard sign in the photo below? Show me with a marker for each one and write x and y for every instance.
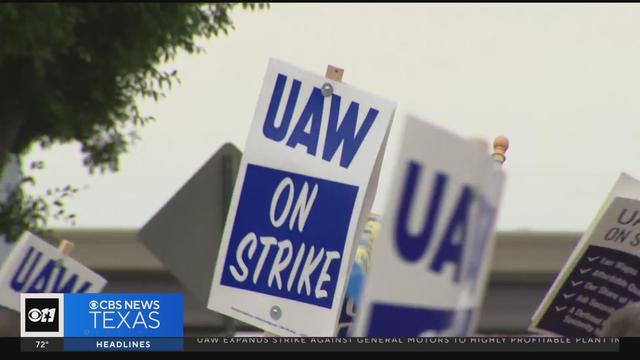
(358, 274)
(429, 265)
(34, 266)
(188, 228)
(602, 274)
(304, 190)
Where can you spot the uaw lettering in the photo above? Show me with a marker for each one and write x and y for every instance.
(448, 251)
(439, 229)
(627, 227)
(51, 277)
(444, 256)
(340, 131)
(603, 277)
(304, 189)
(34, 266)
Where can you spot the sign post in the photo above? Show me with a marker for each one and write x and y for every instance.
(602, 274)
(304, 188)
(429, 266)
(66, 247)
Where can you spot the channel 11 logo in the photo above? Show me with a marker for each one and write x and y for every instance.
(41, 315)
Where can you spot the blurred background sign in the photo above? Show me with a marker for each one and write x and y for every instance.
(185, 233)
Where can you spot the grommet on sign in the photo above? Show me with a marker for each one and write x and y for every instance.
(275, 312)
(327, 89)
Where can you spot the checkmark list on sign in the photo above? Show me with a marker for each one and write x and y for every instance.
(585, 271)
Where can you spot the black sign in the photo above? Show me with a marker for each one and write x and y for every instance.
(603, 281)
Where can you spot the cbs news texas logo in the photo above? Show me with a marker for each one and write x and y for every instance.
(102, 315)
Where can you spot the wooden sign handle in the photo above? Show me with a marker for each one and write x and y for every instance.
(500, 146)
(66, 247)
(334, 73)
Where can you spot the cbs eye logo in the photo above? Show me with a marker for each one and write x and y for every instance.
(44, 315)
(41, 315)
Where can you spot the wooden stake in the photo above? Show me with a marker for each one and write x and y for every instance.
(66, 247)
(500, 146)
(334, 73)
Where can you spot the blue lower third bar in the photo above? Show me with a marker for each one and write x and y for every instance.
(123, 344)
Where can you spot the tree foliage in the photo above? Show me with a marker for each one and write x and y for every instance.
(73, 72)
(22, 211)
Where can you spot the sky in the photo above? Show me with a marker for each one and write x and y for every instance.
(562, 81)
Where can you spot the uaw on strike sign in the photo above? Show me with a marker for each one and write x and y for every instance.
(303, 192)
(428, 269)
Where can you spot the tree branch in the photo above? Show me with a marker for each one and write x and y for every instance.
(11, 119)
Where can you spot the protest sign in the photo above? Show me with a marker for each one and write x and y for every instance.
(35, 266)
(187, 229)
(429, 266)
(358, 274)
(303, 192)
(601, 275)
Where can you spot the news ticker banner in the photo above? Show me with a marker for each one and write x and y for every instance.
(85, 322)
(344, 344)
(154, 322)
